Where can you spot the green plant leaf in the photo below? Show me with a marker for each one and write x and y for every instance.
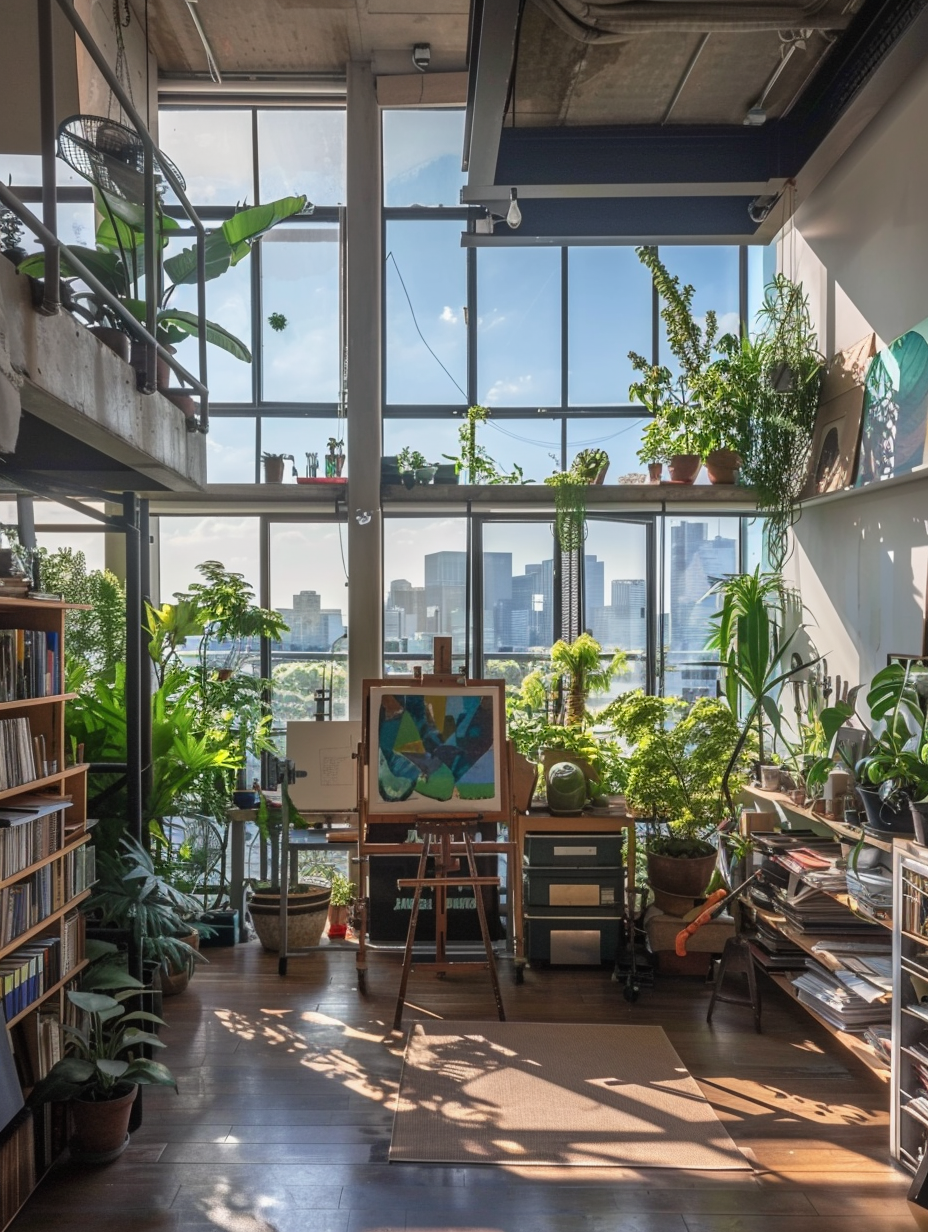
(92, 1003)
(150, 1073)
(187, 325)
(107, 267)
(112, 1068)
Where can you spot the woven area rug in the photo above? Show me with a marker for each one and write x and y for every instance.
(555, 1095)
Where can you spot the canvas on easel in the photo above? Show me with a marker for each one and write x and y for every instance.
(435, 747)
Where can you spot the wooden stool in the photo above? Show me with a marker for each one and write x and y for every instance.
(737, 956)
(437, 834)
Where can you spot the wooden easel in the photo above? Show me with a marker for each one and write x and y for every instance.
(446, 838)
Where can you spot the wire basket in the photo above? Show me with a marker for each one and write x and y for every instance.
(109, 155)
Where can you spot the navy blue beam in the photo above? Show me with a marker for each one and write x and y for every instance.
(643, 155)
(565, 218)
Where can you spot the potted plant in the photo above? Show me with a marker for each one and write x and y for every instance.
(307, 902)
(474, 458)
(334, 458)
(570, 490)
(755, 630)
(414, 468)
(102, 1073)
(678, 757)
(11, 234)
(343, 895)
(579, 665)
(132, 897)
(655, 448)
(117, 262)
(893, 776)
(274, 466)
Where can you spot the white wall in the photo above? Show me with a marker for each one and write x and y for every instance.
(861, 251)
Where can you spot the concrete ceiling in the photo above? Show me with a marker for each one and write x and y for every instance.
(560, 80)
(308, 36)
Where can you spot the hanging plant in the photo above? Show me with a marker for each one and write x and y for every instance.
(570, 489)
(775, 379)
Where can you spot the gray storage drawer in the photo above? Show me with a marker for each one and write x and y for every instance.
(569, 887)
(573, 850)
(573, 939)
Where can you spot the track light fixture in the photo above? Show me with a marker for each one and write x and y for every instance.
(422, 56)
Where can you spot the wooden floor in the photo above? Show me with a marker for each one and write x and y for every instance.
(282, 1123)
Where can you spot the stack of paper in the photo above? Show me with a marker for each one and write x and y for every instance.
(842, 998)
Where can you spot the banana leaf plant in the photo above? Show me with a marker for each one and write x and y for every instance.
(118, 262)
(751, 637)
(104, 1052)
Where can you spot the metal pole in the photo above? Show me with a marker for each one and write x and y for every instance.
(145, 669)
(51, 300)
(152, 253)
(264, 598)
(134, 818)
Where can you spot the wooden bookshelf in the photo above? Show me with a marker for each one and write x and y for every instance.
(853, 1043)
(46, 718)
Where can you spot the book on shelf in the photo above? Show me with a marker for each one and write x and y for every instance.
(27, 837)
(17, 1165)
(28, 973)
(30, 664)
(11, 1094)
(841, 1006)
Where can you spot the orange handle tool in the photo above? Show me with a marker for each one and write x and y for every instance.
(685, 933)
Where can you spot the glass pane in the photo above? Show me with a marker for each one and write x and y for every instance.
(309, 589)
(228, 303)
(299, 272)
(761, 268)
(302, 152)
(621, 439)
(212, 149)
(299, 437)
(426, 263)
(755, 545)
(609, 314)
(92, 545)
(519, 326)
(75, 227)
(713, 272)
(187, 542)
(26, 170)
(698, 552)
(425, 571)
(230, 450)
(422, 153)
(615, 598)
(534, 444)
(518, 598)
(432, 437)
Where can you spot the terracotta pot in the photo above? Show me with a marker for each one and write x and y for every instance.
(307, 910)
(684, 467)
(722, 466)
(115, 339)
(338, 921)
(601, 474)
(684, 877)
(101, 1126)
(273, 470)
(174, 980)
(183, 400)
(655, 471)
(524, 781)
(138, 358)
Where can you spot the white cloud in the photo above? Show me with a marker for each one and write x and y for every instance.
(449, 315)
(516, 392)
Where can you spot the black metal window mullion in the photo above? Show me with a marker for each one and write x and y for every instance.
(471, 326)
(655, 323)
(257, 360)
(743, 288)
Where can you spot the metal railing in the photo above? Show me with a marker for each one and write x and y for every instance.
(46, 229)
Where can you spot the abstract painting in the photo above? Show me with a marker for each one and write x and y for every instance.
(435, 749)
(837, 425)
(895, 416)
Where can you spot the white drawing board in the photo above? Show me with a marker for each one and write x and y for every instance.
(326, 752)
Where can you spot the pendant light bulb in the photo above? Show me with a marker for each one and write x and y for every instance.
(514, 217)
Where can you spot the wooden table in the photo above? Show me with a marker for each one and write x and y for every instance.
(546, 823)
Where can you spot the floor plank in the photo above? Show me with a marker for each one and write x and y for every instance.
(284, 1116)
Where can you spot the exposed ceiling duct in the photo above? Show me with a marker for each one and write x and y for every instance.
(612, 21)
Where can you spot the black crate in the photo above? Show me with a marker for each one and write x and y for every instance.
(390, 907)
(224, 925)
(570, 938)
(567, 887)
(573, 850)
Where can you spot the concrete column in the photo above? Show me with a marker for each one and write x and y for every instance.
(363, 282)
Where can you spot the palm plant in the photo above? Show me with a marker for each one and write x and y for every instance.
(752, 638)
(580, 661)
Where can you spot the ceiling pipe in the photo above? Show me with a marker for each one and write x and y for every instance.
(244, 84)
(615, 20)
(685, 78)
(210, 58)
(756, 114)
